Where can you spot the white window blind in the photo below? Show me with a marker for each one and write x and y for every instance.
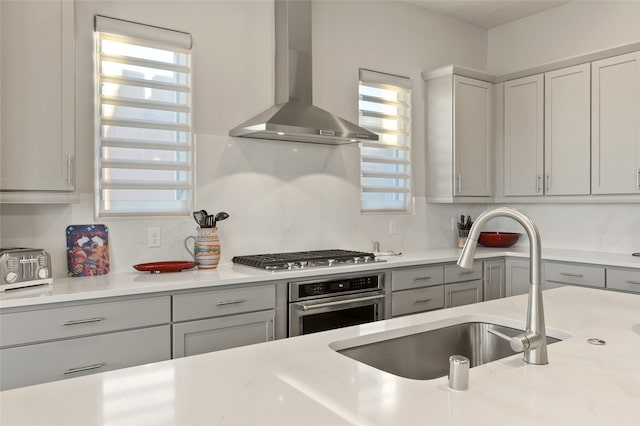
(144, 140)
(385, 165)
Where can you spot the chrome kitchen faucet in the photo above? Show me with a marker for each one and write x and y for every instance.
(534, 340)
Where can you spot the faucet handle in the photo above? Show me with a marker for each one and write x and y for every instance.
(518, 343)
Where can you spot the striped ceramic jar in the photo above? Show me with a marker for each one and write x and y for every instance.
(207, 248)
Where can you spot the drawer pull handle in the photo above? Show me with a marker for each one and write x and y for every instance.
(422, 278)
(231, 302)
(422, 301)
(633, 282)
(568, 274)
(87, 368)
(83, 321)
(467, 272)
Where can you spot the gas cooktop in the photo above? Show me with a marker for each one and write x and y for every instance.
(306, 259)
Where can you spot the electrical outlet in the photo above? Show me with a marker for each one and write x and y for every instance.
(393, 226)
(454, 223)
(153, 237)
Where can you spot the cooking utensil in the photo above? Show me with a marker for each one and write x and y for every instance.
(209, 221)
(220, 216)
(200, 217)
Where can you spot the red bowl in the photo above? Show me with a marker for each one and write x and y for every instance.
(498, 239)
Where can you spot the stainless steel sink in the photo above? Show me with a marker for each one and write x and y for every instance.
(425, 355)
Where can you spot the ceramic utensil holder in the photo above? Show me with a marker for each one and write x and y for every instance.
(205, 247)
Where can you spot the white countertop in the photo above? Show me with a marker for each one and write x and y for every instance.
(302, 381)
(136, 283)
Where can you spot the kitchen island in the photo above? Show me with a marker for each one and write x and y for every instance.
(301, 380)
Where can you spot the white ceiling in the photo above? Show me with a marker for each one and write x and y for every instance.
(487, 14)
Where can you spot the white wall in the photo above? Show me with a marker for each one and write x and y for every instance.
(575, 28)
(572, 29)
(281, 196)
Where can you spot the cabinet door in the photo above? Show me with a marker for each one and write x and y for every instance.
(567, 127)
(523, 136)
(473, 106)
(494, 276)
(517, 277)
(46, 362)
(37, 99)
(197, 337)
(615, 130)
(463, 293)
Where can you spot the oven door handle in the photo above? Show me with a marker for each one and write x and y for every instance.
(308, 307)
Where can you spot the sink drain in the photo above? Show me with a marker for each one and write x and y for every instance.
(596, 341)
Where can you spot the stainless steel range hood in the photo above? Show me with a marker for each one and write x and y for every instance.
(294, 117)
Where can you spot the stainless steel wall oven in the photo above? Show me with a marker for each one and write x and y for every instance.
(325, 304)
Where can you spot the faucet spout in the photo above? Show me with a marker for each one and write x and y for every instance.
(535, 352)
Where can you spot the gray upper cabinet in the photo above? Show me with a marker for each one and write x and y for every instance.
(459, 125)
(615, 125)
(524, 136)
(37, 96)
(567, 124)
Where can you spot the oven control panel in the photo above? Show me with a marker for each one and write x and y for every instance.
(330, 287)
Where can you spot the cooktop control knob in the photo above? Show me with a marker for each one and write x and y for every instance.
(330, 262)
(10, 277)
(302, 263)
(43, 273)
(356, 259)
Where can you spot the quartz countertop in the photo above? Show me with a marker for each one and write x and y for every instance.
(301, 380)
(137, 283)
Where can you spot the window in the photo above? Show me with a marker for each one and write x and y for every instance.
(385, 165)
(144, 149)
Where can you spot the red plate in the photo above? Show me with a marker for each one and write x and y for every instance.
(171, 266)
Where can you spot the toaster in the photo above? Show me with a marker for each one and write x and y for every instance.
(24, 267)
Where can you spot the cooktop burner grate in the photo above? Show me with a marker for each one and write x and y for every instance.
(314, 258)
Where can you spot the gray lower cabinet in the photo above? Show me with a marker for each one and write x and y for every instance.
(494, 279)
(207, 321)
(197, 337)
(462, 286)
(517, 276)
(417, 289)
(45, 362)
(70, 340)
(623, 279)
(417, 300)
(464, 293)
(557, 274)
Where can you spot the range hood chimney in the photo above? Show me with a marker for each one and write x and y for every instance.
(294, 117)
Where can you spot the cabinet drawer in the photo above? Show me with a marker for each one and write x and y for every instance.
(72, 321)
(566, 273)
(404, 279)
(223, 302)
(197, 337)
(46, 362)
(417, 300)
(623, 279)
(454, 273)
